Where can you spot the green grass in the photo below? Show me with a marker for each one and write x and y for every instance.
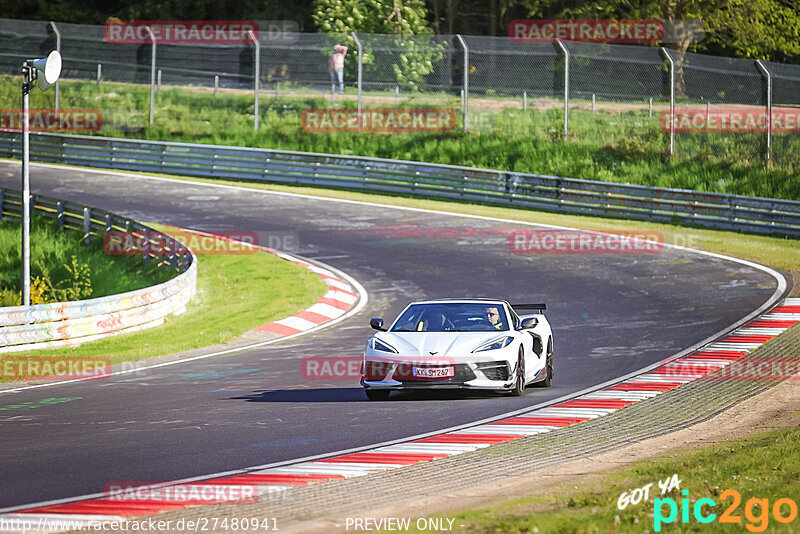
(109, 274)
(235, 293)
(619, 146)
(761, 466)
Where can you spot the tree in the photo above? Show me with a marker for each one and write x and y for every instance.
(765, 29)
(405, 56)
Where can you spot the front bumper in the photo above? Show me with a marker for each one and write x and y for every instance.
(487, 375)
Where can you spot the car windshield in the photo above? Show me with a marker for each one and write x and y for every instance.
(452, 317)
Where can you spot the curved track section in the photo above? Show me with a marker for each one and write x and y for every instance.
(612, 315)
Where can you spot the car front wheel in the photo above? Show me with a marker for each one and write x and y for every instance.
(519, 385)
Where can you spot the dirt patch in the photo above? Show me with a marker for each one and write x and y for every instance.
(795, 292)
(778, 407)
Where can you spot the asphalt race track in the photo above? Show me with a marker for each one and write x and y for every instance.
(611, 314)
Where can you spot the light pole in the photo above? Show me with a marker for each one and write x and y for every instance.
(47, 71)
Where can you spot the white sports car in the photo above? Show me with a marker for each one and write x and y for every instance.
(459, 343)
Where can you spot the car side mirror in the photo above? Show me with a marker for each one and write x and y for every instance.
(377, 324)
(528, 322)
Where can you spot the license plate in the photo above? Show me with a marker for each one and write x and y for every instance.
(434, 372)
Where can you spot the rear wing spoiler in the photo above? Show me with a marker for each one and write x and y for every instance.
(540, 307)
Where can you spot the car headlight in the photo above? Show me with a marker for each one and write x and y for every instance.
(495, 344)
(377, 344)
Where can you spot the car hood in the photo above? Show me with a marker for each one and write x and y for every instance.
(436, 344)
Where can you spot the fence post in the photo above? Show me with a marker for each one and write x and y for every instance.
(158, 83)
(671, 100)
(216, 85)
(768, 74)
(1, 204)
(651, 107)
(87, 225)
(360, 66)
(58, 48)
(99, 73)
(396, 95)
(592, 103)
(524, 100)
(465, 109)
(566, 87)
(152, 72)
(256, 75)
(60, 215)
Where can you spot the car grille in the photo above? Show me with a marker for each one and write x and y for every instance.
(494, 370)
(378, 370)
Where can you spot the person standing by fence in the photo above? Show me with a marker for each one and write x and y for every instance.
(336, 66)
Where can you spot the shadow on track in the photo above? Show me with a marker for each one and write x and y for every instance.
(356, 394)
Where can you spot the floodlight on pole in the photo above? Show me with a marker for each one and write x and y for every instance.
(45, 71)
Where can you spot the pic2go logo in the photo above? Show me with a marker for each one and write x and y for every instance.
(639, 495)
(756, 511)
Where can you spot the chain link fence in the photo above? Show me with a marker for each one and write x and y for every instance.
(553, 91)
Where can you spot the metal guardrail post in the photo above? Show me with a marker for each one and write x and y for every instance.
(256, 75)
(360, 69)
(60, 215)
(671, 100)
(465, 89)
(152, 72)
(768, 74)
(58, 49)
(566, 87)
(87, 225)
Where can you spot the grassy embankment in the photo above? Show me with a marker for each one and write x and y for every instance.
(764, 466)
(619, 143)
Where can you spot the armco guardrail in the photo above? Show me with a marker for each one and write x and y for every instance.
(732, 212)
(69, 323)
